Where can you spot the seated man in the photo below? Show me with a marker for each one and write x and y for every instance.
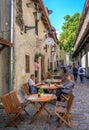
(32, 85)
(65, 88)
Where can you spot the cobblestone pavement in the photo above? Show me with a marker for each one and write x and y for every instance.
(80, 114)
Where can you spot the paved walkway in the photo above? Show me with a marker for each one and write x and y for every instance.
(80, 114)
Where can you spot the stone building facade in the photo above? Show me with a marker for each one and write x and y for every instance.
(81, 45)
(27, 43)
(4, 50)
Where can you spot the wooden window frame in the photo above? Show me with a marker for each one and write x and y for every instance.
(27, 63)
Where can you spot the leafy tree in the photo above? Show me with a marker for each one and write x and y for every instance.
(69, 30)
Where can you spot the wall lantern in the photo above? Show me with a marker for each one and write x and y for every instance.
(37, 16)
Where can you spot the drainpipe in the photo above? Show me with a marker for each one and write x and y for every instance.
(11, 40)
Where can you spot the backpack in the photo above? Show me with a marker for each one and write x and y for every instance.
(81, 70)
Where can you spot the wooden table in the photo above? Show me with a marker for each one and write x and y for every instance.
(51, 88)
(53, 81)
(47, 86)
(43, 101)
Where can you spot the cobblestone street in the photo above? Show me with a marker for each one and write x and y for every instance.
(80, 114)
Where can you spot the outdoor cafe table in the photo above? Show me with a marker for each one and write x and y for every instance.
(51, 87)
(43, 101)
(53, 81)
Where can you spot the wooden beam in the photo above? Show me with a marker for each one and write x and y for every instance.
(2, 48)
(6, 43)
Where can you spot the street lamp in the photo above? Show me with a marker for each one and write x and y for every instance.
(37, 16)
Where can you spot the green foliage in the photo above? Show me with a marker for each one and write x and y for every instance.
(41, 90)
(69, 30)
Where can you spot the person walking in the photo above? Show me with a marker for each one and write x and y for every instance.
(81, 73)
(75, 72)
(36, 66)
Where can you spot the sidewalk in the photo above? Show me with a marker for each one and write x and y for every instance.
(80, 114)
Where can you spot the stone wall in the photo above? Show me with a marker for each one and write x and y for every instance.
(4, 71)
(27, 43)
(5, 54)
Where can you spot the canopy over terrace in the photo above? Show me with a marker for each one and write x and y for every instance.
(4, 43)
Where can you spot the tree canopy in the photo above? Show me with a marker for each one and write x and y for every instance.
(69, 30)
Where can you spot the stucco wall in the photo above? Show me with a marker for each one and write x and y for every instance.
(27, 43)
(4, 71)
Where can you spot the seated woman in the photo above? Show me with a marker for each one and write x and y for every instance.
(65, 88)
(32, 85)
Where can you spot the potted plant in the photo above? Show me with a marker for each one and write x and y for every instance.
(41, 92)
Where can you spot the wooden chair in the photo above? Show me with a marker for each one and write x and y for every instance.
(66, 96)
(12, 111)
(63, 113)
(26, 88)
(17, 102)
(63, 104)
(46, 76)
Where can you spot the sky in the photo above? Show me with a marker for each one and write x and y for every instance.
(61, 8)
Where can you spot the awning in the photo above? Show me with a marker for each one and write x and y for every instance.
(4, 43)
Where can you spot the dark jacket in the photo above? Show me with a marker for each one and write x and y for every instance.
(75, 70)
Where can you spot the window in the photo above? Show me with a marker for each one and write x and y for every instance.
(27, 67)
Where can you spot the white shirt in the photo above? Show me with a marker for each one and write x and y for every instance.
(33, 89)
(79, 73)
(31, 82)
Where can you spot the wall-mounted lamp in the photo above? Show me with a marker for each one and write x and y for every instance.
(37, 16)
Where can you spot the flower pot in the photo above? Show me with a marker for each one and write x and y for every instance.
(41, 95)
